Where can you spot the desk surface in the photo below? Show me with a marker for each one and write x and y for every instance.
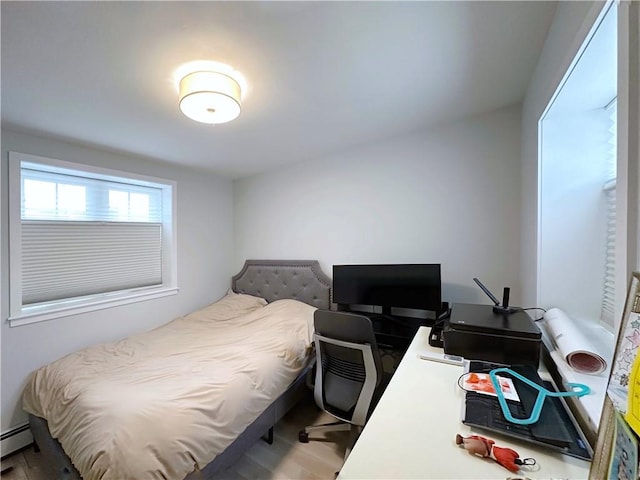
(411, 433)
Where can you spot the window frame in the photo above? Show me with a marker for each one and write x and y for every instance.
(604, 14)
(23, 315)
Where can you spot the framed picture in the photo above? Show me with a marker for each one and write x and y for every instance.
(600, 464)
(619, 427)
(626, 350)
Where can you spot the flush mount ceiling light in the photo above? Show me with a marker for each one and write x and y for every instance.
(209, 97)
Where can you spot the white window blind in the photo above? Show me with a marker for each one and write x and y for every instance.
(72, 259)
(609, 287)
(84, 234)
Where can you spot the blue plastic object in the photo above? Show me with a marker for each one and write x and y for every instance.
(577, 390)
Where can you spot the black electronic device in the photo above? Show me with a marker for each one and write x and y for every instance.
(413, 286)
(391, 287)
(436, 338)
(504, 308)
(478, 332)
(557, 427)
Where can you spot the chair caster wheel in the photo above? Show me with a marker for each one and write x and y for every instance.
(303, 437)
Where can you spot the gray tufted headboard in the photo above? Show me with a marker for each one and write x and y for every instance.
(301, 280)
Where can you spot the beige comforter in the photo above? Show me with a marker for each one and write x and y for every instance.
(164, 403)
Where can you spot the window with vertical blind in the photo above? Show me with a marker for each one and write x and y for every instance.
(83, 238)
(609, 189)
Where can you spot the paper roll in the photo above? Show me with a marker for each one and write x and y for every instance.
(574, 347)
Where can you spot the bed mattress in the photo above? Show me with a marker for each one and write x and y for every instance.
(164, 403)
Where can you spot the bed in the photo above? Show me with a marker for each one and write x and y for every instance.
(203, 438)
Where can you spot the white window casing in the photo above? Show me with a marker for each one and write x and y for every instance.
(84, 238)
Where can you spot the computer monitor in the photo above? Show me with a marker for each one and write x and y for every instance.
(413, 286)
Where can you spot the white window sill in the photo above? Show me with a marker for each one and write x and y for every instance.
(44, 313)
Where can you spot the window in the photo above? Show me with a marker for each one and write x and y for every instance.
(83, 238)
(578, 264)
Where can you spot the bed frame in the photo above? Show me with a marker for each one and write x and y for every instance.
(272, 280)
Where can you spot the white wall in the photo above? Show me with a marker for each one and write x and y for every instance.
(205, 244)
(449, 196)
(571, 24)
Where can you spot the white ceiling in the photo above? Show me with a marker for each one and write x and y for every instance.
(322, 76)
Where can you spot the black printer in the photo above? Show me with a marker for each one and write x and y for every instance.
(479, 332)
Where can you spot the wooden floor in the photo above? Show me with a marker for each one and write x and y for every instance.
(27, 465)
(286, 458)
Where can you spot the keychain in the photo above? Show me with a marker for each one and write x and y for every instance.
(484, 447)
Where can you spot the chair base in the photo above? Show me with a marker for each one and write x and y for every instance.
(303, 435)
(354, 433)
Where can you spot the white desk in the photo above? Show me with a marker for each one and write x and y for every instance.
(411, 433)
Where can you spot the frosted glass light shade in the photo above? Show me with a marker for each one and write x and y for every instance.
(209, 97)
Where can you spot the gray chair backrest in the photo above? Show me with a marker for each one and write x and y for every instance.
(341, 369)
(348, 327)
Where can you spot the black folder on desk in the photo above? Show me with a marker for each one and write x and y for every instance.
(556, 428)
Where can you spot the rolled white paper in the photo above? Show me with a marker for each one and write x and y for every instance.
(574, 347)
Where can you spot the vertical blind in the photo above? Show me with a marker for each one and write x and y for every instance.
(83, 235)
(609, 288)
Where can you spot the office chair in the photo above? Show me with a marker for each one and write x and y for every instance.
(349, 375)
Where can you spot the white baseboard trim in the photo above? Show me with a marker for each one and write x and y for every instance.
(15, 439)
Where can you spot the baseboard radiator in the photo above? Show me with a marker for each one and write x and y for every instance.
(15, 439)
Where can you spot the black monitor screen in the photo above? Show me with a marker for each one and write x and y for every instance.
(415, 286)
